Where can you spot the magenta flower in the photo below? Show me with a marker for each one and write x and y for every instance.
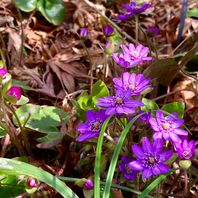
(136, 83)
(31, 183)
(185, 149)
(150, 158)
(167, 127)
(15, 91)
(119, 104)
(3, 72)
(127, 172)
(153, 30)
(131, 10)
(108, 30)
(132, 56)
(91, 128)
(83, 32)
(89, 184)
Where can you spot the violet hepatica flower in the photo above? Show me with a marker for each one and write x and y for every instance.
(132, 56)
(83, 32)
(127, 172)
(91, 128)
(3, 72)
(15, 91)
(167, 127)
(131, 10)
(121, 103)
(185, 149)
(150, 158)
(153, 30)
(108, 30)
(136, 83)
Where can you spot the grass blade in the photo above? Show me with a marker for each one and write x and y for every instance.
(14, 167)
(154, 184)
(98, 160)
(115, 157)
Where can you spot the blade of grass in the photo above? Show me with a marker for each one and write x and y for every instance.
(154, 184)
(70, 179)
(14, 167)
(115, 156)
(98, 160)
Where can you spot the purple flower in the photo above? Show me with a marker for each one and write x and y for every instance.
(185, 149)
(15, 91)
(153, 30)
(131, 10)
(127, 172)
(136, 83)
(144, 118)
(150, 158)
(132, 56)
(31, 183)
(92, 127)
(83, 32)
(108, 30)
(89, 184)
(3, 72)
(167, 127)
(119, 104)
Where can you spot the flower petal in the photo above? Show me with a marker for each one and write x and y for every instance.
(147, 173)
(137, 150)
(136, 165)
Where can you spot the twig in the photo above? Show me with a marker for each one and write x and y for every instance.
(168, 94)
(93, 6)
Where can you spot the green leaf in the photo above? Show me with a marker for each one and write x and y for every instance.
(2, 132)
(26, 5)
(149, 105)
(83, 101)
(52, 10)
(11, 186)
(154, 184)
(13, 167)
(44, 119)
(99, 90)
(177, 107)
(163, 70)
(193, 13)
(23, 100)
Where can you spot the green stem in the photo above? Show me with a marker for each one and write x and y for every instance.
(25, 138)
(136, 29)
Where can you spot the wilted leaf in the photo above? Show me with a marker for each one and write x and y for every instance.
(163, 70)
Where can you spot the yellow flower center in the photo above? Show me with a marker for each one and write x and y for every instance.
(132, 87)
(96, 125)
(151, 160)
(119, 100)
(166, 126)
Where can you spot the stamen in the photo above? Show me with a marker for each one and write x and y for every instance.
(166, 126)
(119, 100)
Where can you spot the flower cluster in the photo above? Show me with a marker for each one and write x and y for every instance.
(131, 10)
(132, 56)
(149, 159)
